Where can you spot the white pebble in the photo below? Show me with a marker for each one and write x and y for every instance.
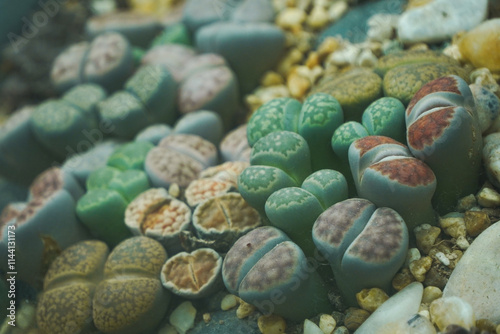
(182, 318)
(311, 328)
(442, 258)
(327, 323)
(451, 310)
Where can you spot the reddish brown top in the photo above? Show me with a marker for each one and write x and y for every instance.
(367, 143)
(425, 130)
(409, 171)
(444, 84)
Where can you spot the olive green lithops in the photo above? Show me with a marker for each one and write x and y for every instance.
(269, 271)
(223, 219)
(281, 114)
(386, 117)
(408, 57)
(65, 306)
(156, 214)
(193, 275)
(86, 97)
(320, 116)
(130, 156)
(354, 90)
(131, 298)
(365, 246)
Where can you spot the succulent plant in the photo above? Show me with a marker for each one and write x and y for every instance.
(381, 165)
(154, 133)
(204, 123)
(443, 130)
(269, 271)
(130, 156)
(364, 245)
(327, 185)
(86, 97)
(193, 275)
(175, 33)
(385, 117)
(156, 214)
(174, 57)
(234, 146)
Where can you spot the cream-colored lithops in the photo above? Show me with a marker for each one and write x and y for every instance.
(156, 214)
(451, 310)
(193, 275)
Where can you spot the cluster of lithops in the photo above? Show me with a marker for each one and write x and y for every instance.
(86, 290)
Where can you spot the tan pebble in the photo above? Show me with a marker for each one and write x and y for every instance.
(312, 60)
(291, 18)
(371, 299)
(426, 236)
(420, 267)
(476, 222)
(207, 317)
(453, 51)
(346, 55)
(419, 47)
(453, 225)
(318, 18)
(266, 94)
(355, 317)
(480, 45)
(253, 102)
(337, 10)
(174, 190)
(228, 302)
(430, 294)
(412, 255)
(402, 279)
(451, 310)
(271, 78)
(454, 257)
(327, 323)
(271, 324)
(298, 85)
(488, 198)
(486, 325)
(293, 57)
(244, 310)
(305, 41)
(462, 243)
(366, 58)
(329, 45)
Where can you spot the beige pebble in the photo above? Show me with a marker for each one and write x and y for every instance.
(371, 299)
(453, 225)
(451, 310)
(293, 57)
(318, 18)
(253, 102)
(298, 85)
(244, 310)
(426, 236)
(488, 198)
(412, 255)
(485, 325)
(466, 203)
(402, 279)
(337, 10)
(266, 94)
(328, 46)
(462, 243)
(420, 267)
(271, 324)
(483, 77)
(476, 222)
(291, 18)
(366, 58)
(207, 317)
(341, 330)
(430, 294)
(228, 302)
(174, 190)
(312, 60)
(271, 78)
(327, 323)
(346, 55)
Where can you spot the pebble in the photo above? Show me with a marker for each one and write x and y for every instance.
(486, 325)
(272, 324)
(420, 267)
(442, 258)
(341, 330)
(488, 197)
(381, 26)
(182, 317)
(439, 20)
(327, 323)
(371, 299)
(311, 328)
(475, 278)
(291, 18)
(480, 45)
(426, 236)
(355, 317)
(397, 309)
(229, 301)
(466, 203)
(453, 224)
(413, 254)
(402, 279)
(451, 310)
(244, 310)
(476, 222)
(430, 294)
(491, 157)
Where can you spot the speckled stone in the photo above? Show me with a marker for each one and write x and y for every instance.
(476, 222)
(226, 322)
(475, 278)
(355, 317)
(426, 236)
(408, 57)
(371, 299)
(404, 81)
(355, 90)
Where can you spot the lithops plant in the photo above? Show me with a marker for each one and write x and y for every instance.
(154, 133)
(234, 146)
(327, 185)
(204, 123)
(131, 298)
(381, 165)
(65, 306)
(224, 218)
(174, 57)
(157, 215)
(443, 130)
(193, 275)
(364, 245)
(385, 117)
(266, 269)
(86, 97)
(130, 156)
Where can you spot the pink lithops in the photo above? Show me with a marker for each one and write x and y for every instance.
(234, 146)
(156, 214)
(443, 130)
(385, 173)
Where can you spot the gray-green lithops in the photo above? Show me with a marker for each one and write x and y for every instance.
(386, 117)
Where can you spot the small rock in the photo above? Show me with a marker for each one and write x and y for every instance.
(453, 224)
(438, 275)
(402, 279)
(420, 267)
(327, 323)
(291, 18)
(486, 325)
(355, 317)
(167, 329)
(451, 310)
(244, 310)
(311, 328)
(182, 318)
(440, 20)
(341, 330)
(476, 222)
(442, 258)
(207, 317)
(229, 301)
(462, 243)
(426, 236)
(430, 294)
(371, 299)
(413, 254)
(488, 198)
(318, 18)
(271, 324)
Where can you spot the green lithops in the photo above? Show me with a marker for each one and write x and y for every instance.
(86, 97)
(320, 116)
(130, 156)
(365, 246)
(354, 90)
(285, 150)
(131, 298)
(327, 185)
(281, 114)
(65, 306)
(386, 117)
(268, 270)
(257, 183)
